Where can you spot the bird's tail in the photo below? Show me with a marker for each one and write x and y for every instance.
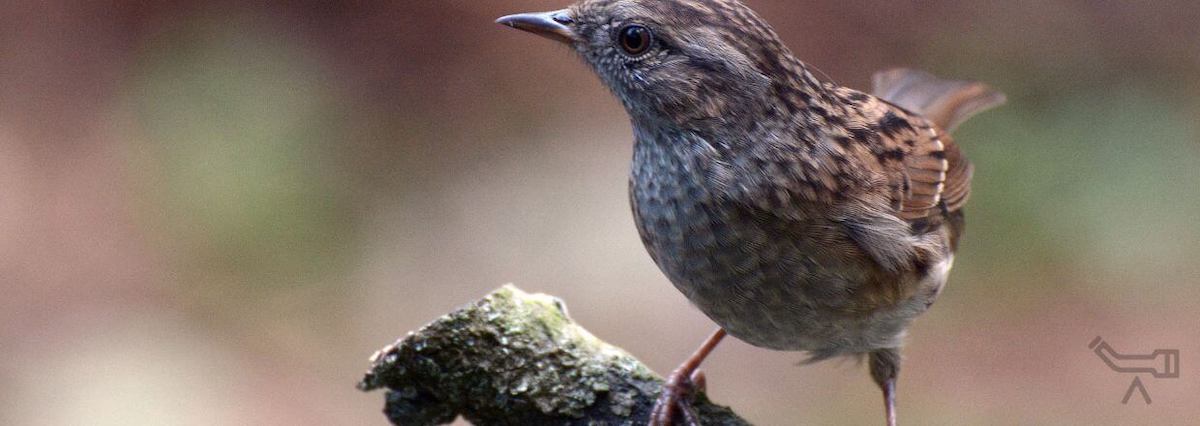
(947, 103)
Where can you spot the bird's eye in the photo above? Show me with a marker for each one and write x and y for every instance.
(635, 39)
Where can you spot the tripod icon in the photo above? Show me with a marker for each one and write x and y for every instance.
(1161, 364)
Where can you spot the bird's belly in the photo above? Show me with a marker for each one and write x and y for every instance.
(768, 285)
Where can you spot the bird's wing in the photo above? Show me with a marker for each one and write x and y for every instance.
(932, 172)
(937, 106)
(872, 179)
(916, 165)
(886, 175)
(900, 135)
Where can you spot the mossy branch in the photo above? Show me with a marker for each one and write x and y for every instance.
(515, 358)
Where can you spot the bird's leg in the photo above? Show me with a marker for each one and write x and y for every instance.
(889, 401)
(885, 367)
(682, 384)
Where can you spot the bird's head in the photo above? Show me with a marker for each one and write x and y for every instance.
(679, 62)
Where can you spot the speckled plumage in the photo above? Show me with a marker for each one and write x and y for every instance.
(796, 213)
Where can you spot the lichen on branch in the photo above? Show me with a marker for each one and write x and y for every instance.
(515, 358)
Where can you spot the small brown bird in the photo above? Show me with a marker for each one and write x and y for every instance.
(798, 214)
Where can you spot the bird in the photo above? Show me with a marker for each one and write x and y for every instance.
(796, 213)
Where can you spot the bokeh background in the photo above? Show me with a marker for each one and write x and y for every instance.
(213, 212)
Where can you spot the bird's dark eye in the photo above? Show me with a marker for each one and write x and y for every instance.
(635, 39)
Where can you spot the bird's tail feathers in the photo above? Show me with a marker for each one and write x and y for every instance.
(947, 103)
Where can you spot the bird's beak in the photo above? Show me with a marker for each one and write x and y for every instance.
(554, 25)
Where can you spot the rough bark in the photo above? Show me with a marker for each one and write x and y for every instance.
(515, 358)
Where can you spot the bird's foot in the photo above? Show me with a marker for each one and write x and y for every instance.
(678, 394)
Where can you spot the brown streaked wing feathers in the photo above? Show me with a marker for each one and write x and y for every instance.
(945, 104)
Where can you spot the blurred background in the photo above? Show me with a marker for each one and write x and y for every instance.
(214, 212)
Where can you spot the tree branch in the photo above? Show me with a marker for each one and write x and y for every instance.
(514, 358)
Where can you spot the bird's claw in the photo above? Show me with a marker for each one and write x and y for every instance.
(677, 396)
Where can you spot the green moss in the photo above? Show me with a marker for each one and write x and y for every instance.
(511, 358)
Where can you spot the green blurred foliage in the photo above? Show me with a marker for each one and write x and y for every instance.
(242, 129)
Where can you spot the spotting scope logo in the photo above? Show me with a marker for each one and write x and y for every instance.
(1160, 364)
